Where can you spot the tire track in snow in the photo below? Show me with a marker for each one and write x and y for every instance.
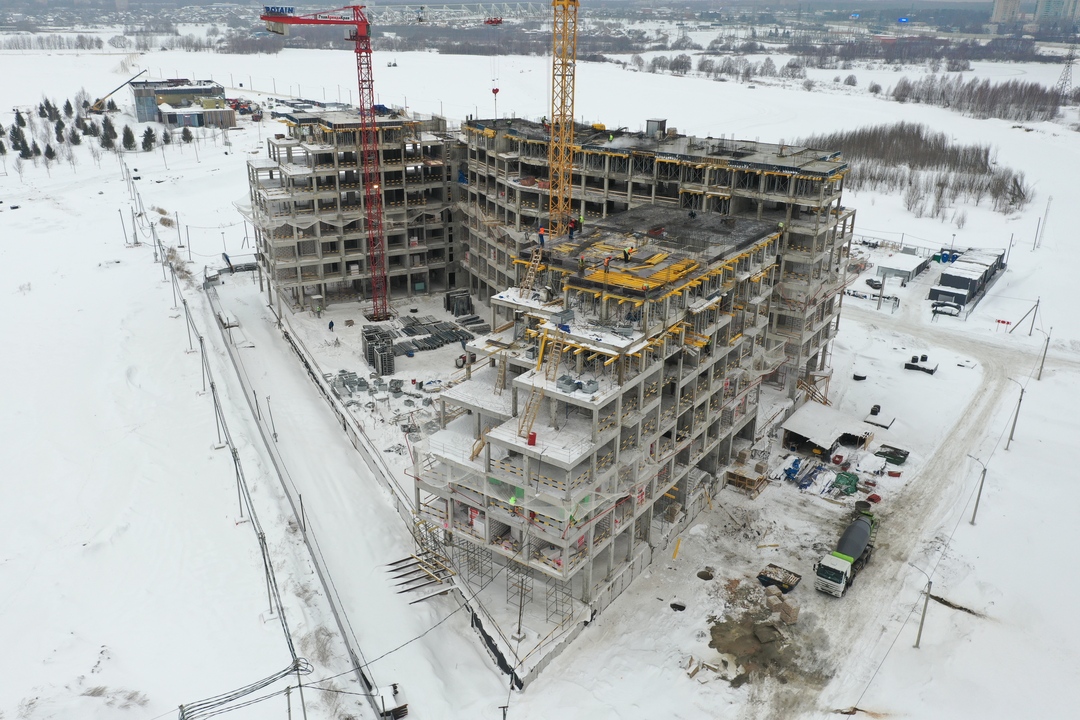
(861, 628)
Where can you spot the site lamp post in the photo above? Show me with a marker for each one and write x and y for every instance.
(926, 601)
(982, 479)
(1017, 415)
(1046, 346)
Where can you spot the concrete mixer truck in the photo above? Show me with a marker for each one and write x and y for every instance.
(835, 572)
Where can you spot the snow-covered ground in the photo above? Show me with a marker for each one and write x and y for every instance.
(128, 587)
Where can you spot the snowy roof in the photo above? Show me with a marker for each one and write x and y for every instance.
(972, 272)
(989, 258)
(969, 267)
(823, 425)
(902, 261)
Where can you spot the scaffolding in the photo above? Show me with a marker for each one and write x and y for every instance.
(560, 600)
(519, 585)
(475, 564)
(430, 539)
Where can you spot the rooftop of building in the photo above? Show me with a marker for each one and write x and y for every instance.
(350, 119)
(181, 85)
(665, 245)
(775, 157)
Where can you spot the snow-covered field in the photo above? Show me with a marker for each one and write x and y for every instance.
(129, 583)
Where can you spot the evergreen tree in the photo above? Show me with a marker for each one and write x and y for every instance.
(166, 137)
(111, 106)
(74, 138)
(19, 119)
(186, 136)
(3, 148)
(149, 139)
(52, 111)
(41, 111)
(59, 131)
(92, 129)
(129, 138)
(107, 128)
(2, 130)
(24, 152)
(50, 154)
(107, 141)
(35, 149)
(68, 109)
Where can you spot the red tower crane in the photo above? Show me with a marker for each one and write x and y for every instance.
(277, 19)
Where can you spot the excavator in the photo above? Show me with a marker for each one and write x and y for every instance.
(99, 106)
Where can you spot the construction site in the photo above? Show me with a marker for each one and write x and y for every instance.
(635, 294)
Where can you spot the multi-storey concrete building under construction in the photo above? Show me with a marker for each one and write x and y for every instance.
(307, 207)
(620, 386)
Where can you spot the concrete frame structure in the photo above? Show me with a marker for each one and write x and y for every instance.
(308, 213)
(598, 422)
(798, 189)
(620, 387)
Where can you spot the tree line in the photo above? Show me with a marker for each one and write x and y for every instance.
(931, 171)
(1016, 100)
(49, 133)
(52, 42)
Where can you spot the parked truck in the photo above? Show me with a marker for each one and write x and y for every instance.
(835, 572)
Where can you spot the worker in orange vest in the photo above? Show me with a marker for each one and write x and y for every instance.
(543, 231)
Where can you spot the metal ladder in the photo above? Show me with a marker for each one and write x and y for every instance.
(530, 274)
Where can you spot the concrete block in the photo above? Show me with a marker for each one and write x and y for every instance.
(773, 603)
(761, 467)
(773, 590)
(791, 604)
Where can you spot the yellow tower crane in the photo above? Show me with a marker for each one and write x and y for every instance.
(561, 144)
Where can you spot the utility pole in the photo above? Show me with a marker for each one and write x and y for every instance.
(1016, 416)
(926, 601)
(978, 497)
(1042, 361)
(1037, 301)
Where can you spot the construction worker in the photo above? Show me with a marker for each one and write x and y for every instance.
(570, 229)
(542, 232)
(581, 265)
(580, 221)
(626, 253)
(607, 261)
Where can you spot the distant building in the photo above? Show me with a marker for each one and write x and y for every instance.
(182, 102)
(1006, 12)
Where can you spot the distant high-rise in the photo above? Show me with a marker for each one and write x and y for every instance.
(1048, 12)
(1006, 11)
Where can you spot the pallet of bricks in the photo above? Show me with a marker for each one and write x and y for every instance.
(777, 602)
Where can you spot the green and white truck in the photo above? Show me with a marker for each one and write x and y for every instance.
(835, 572)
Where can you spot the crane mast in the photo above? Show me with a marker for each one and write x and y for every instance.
(561, 143)
(276, 19)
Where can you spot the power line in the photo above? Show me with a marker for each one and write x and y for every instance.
(941, 556)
